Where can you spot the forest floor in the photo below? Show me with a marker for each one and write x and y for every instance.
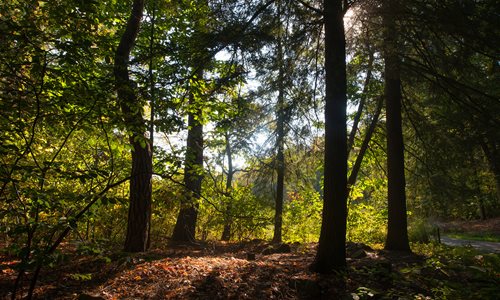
(473, 227)
(260, 270)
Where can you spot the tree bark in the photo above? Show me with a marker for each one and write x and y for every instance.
(185, 227)
(280, 188)
(331, 253)
(226, 233)
(139, 215)
(280, 141)
(397, 232)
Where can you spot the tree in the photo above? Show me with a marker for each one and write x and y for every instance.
(185, 227)
(139, 216)
(449, 92)
(287, 71)
(331, 249)
(226, 233)
(397, 232)
(60, 154)
(280, 135)
(239, 119)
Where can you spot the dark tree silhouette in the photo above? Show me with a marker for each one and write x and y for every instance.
(331, 250)
(397, 232)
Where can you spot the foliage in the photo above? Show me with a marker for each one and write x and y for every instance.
(420, 231)
(165, 208)
(251, 215)
(302, 217)
(478, 272)
(366, 224)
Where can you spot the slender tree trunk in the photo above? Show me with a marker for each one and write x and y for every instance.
(357, 116)
(482, 209)
(477, 188)
(139, 215)
(397, 232)
(364, 146)
(152, 93)
(185, 227)
(226, 233)
(280, 190)
(492, 154)
(331, 249)
(280, 141)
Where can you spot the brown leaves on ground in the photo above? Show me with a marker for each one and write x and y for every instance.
(207, 278)
(473, 226)
(220, 271)
(214, 272)
(224, 271)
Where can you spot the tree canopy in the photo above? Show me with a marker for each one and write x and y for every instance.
(146, 123)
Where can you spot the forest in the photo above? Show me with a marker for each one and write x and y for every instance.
(250, 149)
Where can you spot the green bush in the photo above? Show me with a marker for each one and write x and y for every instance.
(302, 217)
(420, 231)
(251, 216)
(366, 224)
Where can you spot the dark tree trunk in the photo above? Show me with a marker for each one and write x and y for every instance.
(280, 141)
(139, 215)
(226, 233)
(482, 209)
(280, 189)
(331, 249)
(397, 232)
(185, 227)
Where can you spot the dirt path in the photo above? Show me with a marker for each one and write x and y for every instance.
(492, 247)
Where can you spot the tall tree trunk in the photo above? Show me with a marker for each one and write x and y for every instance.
(185, 227)
(280, 141)
(226, 233)
(139, 215)
(397, 232)
(331, 249)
